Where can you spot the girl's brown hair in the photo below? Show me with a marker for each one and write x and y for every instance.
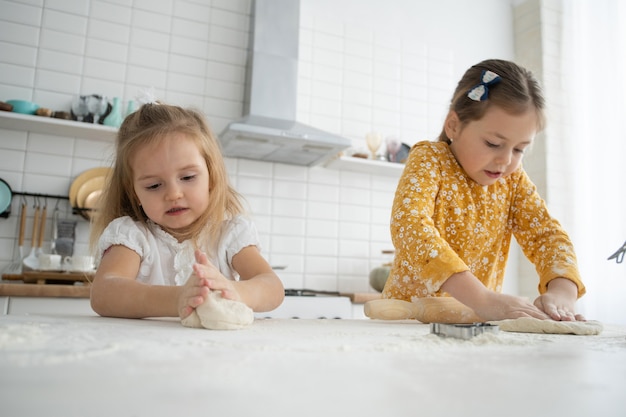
(149, 124)
(517, 92)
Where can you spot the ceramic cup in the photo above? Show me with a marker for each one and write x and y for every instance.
(49, 262)
(79, 263)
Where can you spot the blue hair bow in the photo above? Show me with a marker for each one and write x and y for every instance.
(480, 91)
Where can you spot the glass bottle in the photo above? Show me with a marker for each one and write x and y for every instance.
(132, 106)
(114, 119)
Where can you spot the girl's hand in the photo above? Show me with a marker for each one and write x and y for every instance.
(559, 301)
(214, 279)
(498, 306)
(489, 305)
(192, 295)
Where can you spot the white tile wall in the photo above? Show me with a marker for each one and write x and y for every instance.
(380, 71)
(538, 29)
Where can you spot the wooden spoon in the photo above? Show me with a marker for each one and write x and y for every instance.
(426, 310)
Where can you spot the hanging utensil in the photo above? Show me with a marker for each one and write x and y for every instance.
(55, 231)
(31, 260)
(42, 229)
(619, 254)
(15, 268)
(6, 196)
(20, 237)
(64, 243)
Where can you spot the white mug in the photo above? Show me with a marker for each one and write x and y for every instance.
(79, 263)
(49, 262)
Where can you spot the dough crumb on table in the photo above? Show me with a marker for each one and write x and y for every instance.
(218, 313)
(533, 325)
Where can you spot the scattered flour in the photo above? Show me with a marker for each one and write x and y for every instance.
(12, 335)
(49, 341)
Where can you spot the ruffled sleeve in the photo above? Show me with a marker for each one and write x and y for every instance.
(239, 233)
(124, 231)
(164, 261)
(542, 238)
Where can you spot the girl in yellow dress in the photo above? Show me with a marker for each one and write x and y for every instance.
(460, 200)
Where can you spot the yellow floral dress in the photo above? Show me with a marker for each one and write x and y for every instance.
(442, 223)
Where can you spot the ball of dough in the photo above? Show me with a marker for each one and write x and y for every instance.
(217, 313)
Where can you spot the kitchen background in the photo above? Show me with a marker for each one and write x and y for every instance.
(367, 65)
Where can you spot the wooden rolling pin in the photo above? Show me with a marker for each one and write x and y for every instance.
(426, 310)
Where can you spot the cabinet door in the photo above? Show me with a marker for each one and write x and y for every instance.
(4, 305)
(52, 306)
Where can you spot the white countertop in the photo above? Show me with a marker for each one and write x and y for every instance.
(94, 366)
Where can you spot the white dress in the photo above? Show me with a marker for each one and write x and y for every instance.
(164, 261)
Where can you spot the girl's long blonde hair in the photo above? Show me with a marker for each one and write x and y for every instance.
(149, 124)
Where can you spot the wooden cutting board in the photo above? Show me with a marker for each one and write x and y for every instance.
(35, 290)
(41, 277)
(12, 277)
(426, 310)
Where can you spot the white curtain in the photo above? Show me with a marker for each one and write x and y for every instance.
(594, 78)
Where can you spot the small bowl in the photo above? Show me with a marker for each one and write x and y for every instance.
(23, 106)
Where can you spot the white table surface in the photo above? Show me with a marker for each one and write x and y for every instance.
(94, 366)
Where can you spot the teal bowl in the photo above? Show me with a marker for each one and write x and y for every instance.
(23, 106)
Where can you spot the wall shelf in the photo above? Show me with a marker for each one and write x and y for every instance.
(59, 127)
(349, 163)
(74, 129)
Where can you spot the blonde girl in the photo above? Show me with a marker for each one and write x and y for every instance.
(170, 228)
(460, 200)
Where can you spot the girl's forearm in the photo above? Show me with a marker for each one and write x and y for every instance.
(262, 293)
(564, 286)
(487, 304)
(466, 288)
(122, 297)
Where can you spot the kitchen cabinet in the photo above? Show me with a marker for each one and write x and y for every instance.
(81, 306)
(49, 306)
(18, 298)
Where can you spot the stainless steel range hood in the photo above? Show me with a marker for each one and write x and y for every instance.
(270, 131)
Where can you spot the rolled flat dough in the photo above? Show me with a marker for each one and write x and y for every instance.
(218, 313)
(533, 325)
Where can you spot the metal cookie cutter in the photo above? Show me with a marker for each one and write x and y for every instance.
(463, 331)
